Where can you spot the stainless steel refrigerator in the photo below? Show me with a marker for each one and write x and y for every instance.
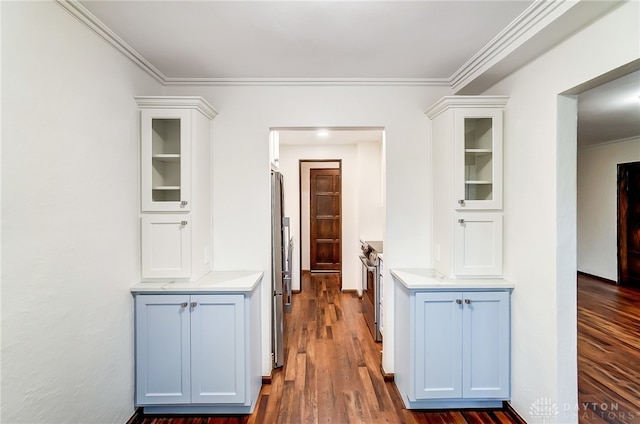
(281, 256)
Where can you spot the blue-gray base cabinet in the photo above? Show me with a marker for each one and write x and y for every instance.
(452, 346)
(196, 352)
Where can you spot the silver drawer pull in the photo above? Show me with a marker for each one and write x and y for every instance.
(194, 304)
(467, 301)
(184, 304)
(459, 301)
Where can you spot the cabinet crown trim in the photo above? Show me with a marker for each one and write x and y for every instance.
(449, 102)
(177, 102)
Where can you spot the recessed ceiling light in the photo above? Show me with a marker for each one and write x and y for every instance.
(322, 133)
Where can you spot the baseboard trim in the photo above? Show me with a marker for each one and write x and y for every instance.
(595, 277)
(137, 416)
(267, 379)
(507, 407)
(388, 377)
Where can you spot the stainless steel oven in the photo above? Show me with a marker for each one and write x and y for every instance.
(371, 289)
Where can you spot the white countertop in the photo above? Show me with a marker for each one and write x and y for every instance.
(213, 282)
(427, 278)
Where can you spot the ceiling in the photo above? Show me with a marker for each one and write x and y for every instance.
(610, 112)
(427, 41)
(307, 39)
(330, 136)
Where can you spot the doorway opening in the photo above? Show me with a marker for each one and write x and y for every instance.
(357, 153)
(598, 143)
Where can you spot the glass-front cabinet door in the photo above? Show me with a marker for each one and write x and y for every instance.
(478, 158)
(165, 155)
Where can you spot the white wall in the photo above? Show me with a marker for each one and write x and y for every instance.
(70, 231)
(539, 236)
(241, 169)
(598, 205)
(371, 210)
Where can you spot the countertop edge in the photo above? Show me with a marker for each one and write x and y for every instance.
(429, 279)
(213, 282)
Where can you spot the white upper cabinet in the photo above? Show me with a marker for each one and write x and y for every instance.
(274, 148)
(478, 158)
(165, 150)
(467, 175)
(170, 129)
(175, 179)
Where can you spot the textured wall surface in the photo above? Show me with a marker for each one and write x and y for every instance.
(70, 229)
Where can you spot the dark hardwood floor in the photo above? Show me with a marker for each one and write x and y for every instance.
(332, 372)
(608, 352)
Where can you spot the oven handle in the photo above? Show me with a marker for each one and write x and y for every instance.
(367, 264)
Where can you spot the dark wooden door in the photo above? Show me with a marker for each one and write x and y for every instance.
(629, 224)
(326, 220)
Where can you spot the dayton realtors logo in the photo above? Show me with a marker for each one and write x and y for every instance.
(543, 409)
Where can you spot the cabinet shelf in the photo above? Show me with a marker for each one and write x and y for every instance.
(477, 182)
(477, 150)
(167, 157)
(166, 188)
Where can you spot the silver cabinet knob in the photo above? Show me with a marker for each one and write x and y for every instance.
(461, 202)
(459, 301)
(467, 301)
(194, 304)
(184, 304)
(183, 223)
(184, 203)
(460, 221)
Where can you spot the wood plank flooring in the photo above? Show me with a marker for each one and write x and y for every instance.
(332, 372)
(608, 352)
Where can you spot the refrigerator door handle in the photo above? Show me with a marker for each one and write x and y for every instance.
(287, 292)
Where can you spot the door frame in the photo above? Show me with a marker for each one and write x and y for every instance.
(303, 237)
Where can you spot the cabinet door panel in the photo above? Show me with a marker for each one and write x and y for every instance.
(438, 349)
(166, 246)
(165, 159)
(478, 158)
(162, 350)
(486, 335)
(218, 349)
(478, 244)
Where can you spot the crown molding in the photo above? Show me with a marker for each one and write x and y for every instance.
(177, 102)
(309, 81)
(449, 102)
(528, 23)
(540, 27)
(95, 25)
(471, 77)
